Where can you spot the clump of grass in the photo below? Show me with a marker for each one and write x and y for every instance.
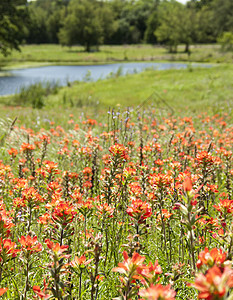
(34, 95)
(80, 101)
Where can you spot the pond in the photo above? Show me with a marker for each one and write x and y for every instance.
(63, 74)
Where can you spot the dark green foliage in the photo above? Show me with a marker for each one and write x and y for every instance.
(199, 4)
(170, 29)
(223, 16)
(46, 19)
(92, 22)
(205, 26)
(226, 41)
(115, 22)
(37, 29)
(13, 17)
(152, 24)
(82, 25)
(131, 18)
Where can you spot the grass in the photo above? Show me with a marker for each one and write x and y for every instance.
(196, 90)
(40, 55)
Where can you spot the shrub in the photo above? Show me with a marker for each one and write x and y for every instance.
(226, 41)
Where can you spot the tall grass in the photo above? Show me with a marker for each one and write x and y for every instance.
(35, 94)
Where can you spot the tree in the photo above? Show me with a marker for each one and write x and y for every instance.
(223, 16)
(169, 29)
(13, 14)
(177, 24)
(46, 19)
(140, 14)
(198, 4)
(82, 24)
(188, 26)
(131, 18)
(37, 28)
(205, 26)
(152, 24)
(107, 20)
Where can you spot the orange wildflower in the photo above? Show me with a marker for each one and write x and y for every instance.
(158, 292)
(56, 248)
(13, 152)
(80, 262)
(214, 256)
(27, 147)
(105, 210)
(129, 265)
(225, 206)
(41, 294)
(3, 291)
(119, 151)
(139, 210)
(30, 244)
(187, 184)
(215, 284)
(63, 213)
(7, 249)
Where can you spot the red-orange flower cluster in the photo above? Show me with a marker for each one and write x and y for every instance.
(209, 258)
(119, 151)
(139, 210)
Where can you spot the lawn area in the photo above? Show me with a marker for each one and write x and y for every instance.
(196, 90)
(40, 55)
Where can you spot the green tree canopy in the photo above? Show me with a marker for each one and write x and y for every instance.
(152, 23)
(13, 15)
(131, 17)
(223, 16)
(84, 24)
(169, 29)
(205, 25)
(177, 24)
(46, 19)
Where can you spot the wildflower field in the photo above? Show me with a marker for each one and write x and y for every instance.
(131, 205)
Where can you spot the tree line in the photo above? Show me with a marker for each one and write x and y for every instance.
(95, 22)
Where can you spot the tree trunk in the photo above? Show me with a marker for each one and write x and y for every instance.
(88, 48)
(187, 50)
(173, 49)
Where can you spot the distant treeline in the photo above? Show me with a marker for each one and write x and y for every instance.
(93, 22)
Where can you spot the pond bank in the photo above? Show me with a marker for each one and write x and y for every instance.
(64, 75)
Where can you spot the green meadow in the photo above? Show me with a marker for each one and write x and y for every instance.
(40, 55)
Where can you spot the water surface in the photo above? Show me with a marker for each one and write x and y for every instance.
(64, 74)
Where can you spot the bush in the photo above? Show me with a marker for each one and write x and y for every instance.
(226, 41)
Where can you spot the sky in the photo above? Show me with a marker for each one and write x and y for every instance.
(182, 1)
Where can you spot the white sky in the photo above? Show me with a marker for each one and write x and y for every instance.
(182, 1)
